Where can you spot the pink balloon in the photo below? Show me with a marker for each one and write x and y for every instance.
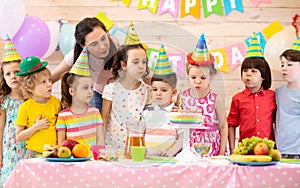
(33, 38)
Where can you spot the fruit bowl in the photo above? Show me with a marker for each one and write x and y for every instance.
(108, 155)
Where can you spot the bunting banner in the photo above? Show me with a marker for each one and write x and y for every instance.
(149, 4)
(220, 59)
(212, 6)
(271, 29)
(190, 7)
(105, 20)
(170, 6)
(255, 3)
(226, 59)
(230, 5)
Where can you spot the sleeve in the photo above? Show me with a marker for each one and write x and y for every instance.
(69, 58)
(61, 123)
(233, 116)
(22, 116)
(107, 92)
(99, 118)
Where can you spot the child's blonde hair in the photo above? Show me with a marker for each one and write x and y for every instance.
(211, 68)
(28, 82)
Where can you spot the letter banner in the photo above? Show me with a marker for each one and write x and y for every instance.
(150, 4)
(220, 59)
(170, 6)
(190, 7)
(257, 2)
(212, 6)
(271, 29)
(235, 54)
(177, 63)
(230, 5)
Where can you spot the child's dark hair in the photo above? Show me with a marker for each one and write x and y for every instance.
(291, 55)
(4, 88)
(86, 26)
(121, 55)
(262, 65)
(170, 79)
(68, 80)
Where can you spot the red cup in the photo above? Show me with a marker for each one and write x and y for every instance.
(96, 150)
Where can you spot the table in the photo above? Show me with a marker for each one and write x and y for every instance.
(41, 173)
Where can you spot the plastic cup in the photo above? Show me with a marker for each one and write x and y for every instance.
(137, 153)
(96, 150)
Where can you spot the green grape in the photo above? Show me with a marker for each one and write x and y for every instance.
(240, 144)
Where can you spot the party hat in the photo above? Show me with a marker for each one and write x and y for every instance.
(254, 49)
(131, 35)
(81, 66)
(200, 55)
(296, 45)
(9, 52)
(163, 69)
(163, 66)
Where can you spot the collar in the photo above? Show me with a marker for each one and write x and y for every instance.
(167, 108)
(248, 92)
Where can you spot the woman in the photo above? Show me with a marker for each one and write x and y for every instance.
(92, 33)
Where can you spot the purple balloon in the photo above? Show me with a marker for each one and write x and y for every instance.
(33, 38)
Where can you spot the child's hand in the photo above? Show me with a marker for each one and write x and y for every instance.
(41, 123)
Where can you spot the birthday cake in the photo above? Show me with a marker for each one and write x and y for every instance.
(185, 117)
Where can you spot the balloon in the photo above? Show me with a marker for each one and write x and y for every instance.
(33, 38)
(277, 44)
(54, 37)
(66, 38)
(12, 14)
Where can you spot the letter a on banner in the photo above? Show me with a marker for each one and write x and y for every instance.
(170, 6)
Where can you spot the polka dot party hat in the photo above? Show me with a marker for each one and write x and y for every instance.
(9, 52)
(81, 66)
(163, 69)
(200, 56)
(296, 44)
(254, 49)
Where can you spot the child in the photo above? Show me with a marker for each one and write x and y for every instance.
(11, 97)
(287, 130)
(125, 98)
(37, 116)
(161, 139)
(253, 109)
(200, 69)
(79, 121)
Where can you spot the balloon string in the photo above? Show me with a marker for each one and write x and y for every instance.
(295, 18)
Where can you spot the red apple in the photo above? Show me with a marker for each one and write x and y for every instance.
(55, 151)
(69, 143)
(261, 149)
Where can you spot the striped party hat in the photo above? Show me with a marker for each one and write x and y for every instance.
(9, 52)
(296, 44)
(254, 49)
(163, 68)
(200, 55)
(81, 66)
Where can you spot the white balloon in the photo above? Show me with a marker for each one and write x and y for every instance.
(277, 44)
(12, 14)
(54, 28)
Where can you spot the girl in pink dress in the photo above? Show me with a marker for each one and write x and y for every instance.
(200, 70)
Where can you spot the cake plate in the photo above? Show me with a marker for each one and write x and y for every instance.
(186, 155)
